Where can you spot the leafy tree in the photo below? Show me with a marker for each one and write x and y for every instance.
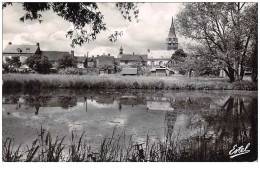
(224, 28)
(5, 67)
(67, 61)
(139, 66)
(179, 55)
(40, 64)
(13, 62)
(253, 62)
(200, 61)
(106, 65)
(81, 15)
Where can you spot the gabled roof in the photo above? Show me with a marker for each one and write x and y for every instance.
(21, 49)
(81, 59)
(132, 57)
(105, 57)
(54, 55)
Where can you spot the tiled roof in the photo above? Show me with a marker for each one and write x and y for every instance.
(105, 57)
(132, 57)
(81, 59)
(159, 59)
(21, 49)
(54, 55)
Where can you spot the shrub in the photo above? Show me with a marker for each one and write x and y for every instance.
(70, 71)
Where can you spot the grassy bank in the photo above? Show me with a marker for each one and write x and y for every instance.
(39, 82)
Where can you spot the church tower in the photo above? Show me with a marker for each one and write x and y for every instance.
(120, 52)
(172, 40)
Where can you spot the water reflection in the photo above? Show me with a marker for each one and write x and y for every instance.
(205, 125)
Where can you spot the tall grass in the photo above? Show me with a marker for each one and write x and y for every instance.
(115, 148)
(38, 82)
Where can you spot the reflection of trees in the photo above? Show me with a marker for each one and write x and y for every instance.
(11, 99)
(67, 101)
(37, 101)
(40, 101)
(235, 122)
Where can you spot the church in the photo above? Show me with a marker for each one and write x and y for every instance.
(160, 58)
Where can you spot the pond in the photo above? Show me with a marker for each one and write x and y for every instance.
(207, 122)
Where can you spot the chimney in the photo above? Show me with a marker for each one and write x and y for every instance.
(93, 56)
(133, 53)
(97, 55)
(109, 54)
(9, 43)
(72, 53)
(37, 44)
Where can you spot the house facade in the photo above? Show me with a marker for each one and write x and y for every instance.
(131, 59)
(20, 51)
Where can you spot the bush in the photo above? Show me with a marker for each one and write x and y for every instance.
(70, 71)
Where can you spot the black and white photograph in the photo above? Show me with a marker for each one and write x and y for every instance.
(130, 82)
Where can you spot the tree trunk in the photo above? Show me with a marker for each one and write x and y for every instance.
(237, 70)
(242, 72)
(230, 73)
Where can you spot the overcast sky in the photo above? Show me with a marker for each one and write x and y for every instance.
(149, 33)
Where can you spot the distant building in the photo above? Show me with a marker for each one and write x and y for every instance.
(157, 58)
(131, 59)
(21, 51)
(105, 63)
(160, 58)
(80, 61)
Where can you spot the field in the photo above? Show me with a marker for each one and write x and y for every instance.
(37, 82)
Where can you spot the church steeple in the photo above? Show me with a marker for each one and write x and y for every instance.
(172, 40)
(172, 30)
(120, 52)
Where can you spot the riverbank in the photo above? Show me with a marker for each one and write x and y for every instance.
(38, 82)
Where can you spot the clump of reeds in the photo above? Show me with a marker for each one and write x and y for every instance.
(116, 148)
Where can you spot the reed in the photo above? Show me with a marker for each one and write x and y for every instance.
(115, 148)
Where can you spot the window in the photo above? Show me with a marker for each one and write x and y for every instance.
(19, 50)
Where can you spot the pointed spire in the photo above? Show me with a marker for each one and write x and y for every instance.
(172, 31)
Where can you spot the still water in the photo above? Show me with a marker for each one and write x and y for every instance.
(212, 120)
